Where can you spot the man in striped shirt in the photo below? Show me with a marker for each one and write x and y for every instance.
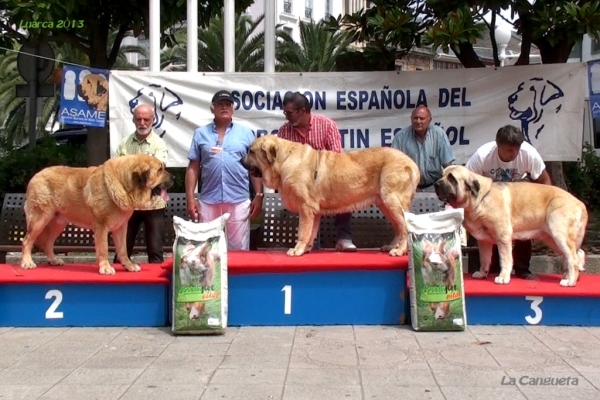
(321, 133)
(145, 141)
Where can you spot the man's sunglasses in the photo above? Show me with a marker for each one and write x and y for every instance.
(289, 114)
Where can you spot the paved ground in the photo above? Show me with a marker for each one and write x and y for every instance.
(337, 362)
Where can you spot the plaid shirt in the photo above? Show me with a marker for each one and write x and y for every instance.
(154, 146)
(323, 134)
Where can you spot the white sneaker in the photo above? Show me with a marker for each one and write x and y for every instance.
(345, 245)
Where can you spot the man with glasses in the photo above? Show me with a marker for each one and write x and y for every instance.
(217, 150)
(321, 133)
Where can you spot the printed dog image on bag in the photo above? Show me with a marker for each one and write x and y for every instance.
(199, 277)
(435, 265)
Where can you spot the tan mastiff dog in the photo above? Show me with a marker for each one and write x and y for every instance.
(98, 198)
(500, 212)
(315, 182)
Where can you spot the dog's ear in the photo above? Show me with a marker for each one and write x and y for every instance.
(550, 92)
(141, 176)
(270, 150)
(473, 187)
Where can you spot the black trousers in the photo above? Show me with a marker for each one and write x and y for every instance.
(521, 257)
(154, 223)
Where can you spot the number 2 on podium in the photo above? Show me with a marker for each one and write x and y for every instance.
(51, 313)
(287, 299)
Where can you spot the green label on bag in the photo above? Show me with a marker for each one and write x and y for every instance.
(189, 294)
(437, 294)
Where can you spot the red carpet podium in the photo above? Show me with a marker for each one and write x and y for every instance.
(269, 288)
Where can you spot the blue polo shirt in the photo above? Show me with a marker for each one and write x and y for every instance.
(430, 156)
(224, 178)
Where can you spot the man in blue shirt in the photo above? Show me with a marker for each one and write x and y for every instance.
(427, 145)
(216, 151)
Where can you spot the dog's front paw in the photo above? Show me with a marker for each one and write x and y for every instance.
(396, 252)
(567, 283)
(386, 248)
(107, 270)
(132, 267)
(295, 252)
(479, 275)
(28, 264)
(502, 280)
(56, 261)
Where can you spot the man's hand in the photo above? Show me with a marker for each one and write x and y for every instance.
(193, 209)
(256, 206)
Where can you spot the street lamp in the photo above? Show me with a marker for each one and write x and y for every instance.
(503, 33)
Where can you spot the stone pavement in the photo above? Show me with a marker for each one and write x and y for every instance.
(331, 362)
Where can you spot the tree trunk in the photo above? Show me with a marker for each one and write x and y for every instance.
(467, 56)
(97, 141)
(555, 170)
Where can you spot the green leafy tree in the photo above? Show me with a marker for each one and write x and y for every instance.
(94, 23)
(249, 46)
(553, 26)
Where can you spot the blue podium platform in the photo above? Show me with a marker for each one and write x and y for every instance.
(533, 302)
(270, 288)
(319, 288)
(77, 295)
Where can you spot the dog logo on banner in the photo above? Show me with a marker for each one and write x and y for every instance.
(162, 99)
(532, 100)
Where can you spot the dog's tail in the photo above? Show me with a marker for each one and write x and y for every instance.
(581, 257)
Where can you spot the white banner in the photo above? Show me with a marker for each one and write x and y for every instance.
(546, 101)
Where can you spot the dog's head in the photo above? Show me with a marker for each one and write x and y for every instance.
(262, 155)
(458, 186)
(94, 90)
(150, 173)
(528, 103)
(434, 254)
(193, 257)
(440, 310)
(163, 100)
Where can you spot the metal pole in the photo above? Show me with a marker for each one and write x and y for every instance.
(154, 35)
(229, 35)
(270, 23)
(33, 86)
(192, 35)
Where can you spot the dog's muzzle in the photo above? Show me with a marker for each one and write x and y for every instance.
(443, 191)
(161, 189)
(254, 171)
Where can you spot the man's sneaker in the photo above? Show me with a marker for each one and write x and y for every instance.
(345, 245)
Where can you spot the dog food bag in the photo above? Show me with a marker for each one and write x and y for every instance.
(199, 277)
(437, 297)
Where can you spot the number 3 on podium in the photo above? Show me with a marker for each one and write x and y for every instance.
(535, 306)
(51, 313)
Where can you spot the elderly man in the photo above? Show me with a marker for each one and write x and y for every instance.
(145, 141)
(427, 145)
(216, 153)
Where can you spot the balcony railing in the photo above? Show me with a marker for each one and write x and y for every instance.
(287, 7)
(308, 12)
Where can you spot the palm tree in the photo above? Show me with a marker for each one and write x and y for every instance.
(249, 47)
(318, 50)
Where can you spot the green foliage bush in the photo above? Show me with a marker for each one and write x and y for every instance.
(583, 177)
(17, 166)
